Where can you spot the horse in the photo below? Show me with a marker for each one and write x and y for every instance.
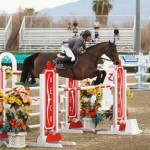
(86, 66)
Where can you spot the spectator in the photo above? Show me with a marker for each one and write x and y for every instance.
(75, 24)
(116, 33)
(69, 26)
(75, 28)
(96, 28)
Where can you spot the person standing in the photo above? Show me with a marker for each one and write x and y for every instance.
(116, 33)
(96, 28)
(75, 28)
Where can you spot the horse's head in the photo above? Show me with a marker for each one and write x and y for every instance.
(111, 52)
(107, 48)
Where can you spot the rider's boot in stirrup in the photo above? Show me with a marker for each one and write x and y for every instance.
(66, 59)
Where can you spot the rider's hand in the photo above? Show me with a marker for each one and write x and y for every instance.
(83, 51)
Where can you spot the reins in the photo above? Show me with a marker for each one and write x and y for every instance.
(101, 57)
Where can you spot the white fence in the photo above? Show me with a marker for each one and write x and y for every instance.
(5, 31)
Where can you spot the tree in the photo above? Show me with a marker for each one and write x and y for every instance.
(17, 20)
(102, 7)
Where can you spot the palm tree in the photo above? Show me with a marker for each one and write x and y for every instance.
(102, 7)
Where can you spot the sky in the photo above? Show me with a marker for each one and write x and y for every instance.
(11, 6)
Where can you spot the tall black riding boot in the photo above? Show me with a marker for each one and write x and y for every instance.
(66, 59)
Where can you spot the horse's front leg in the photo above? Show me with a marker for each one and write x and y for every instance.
(100, 74)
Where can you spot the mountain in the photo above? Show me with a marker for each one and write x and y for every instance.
(81, 7)
(84, 7)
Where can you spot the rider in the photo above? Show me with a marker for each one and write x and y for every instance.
(75, 45)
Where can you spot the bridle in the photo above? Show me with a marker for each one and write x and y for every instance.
(110, 48)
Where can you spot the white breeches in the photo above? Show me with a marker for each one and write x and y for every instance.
(68, 51)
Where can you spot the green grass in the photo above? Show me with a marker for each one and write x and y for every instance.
(27, 85)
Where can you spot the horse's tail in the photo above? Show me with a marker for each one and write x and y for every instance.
(27, 65)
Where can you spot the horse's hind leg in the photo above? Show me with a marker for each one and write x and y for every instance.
(100, 77)
(32, 81)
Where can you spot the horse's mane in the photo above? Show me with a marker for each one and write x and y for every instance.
(110, 43)
(96, 45)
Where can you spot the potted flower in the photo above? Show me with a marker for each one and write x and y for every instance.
(17, 115)
(90, 104)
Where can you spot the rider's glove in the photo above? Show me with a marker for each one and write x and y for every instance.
(83, 51)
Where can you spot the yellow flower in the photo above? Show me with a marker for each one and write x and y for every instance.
(11, 100)
(93, 91)
(1, 96)
(1, 108)
(25, 109)
(1, 99)
(127, 89)
(82, 100)
(19, 102)
(89, 91)
(6, 96)
(26, 92)
(130, 95)
(1, 92)
(30, 102)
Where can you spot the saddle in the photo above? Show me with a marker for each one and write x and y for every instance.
(63, 61)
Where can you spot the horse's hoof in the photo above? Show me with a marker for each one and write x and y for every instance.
(32, 82)
(94, 83)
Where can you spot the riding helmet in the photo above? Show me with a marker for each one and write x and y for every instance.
(86, 33)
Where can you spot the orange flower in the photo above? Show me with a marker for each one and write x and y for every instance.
(81, 112)
(18, 123)
(23, 123)
(12, 123)
(87, 114)
(24, 127)
(93, 114)
(15, 126)
(84, 109)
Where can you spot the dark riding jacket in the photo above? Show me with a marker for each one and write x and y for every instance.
(75, 44)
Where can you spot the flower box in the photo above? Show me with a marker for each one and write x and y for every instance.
(16, 140)
(87, 123)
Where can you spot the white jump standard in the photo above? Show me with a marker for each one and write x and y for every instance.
(121, 125)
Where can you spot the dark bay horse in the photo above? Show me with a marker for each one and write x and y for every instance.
(85, 68)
